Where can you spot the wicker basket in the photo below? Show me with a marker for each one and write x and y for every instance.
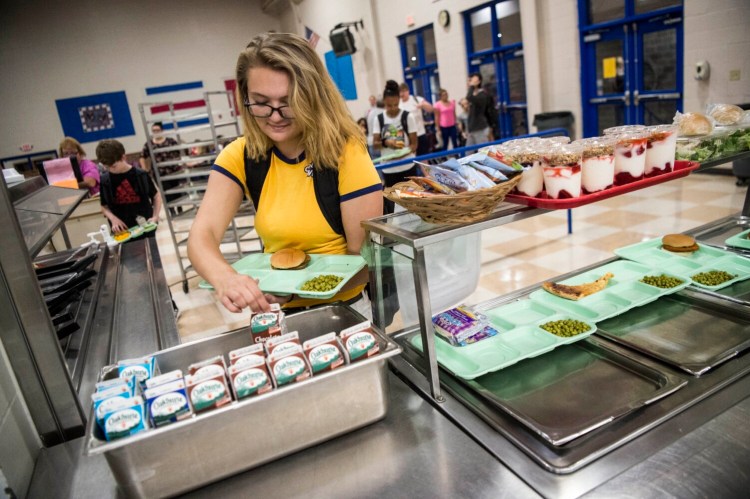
(453, 209)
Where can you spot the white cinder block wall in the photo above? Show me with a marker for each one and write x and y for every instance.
(58, 50)
(718, 32)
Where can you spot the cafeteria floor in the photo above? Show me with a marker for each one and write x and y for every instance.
(525, 252)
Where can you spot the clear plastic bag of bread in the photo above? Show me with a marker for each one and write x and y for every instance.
(725, 114)
(692, 124)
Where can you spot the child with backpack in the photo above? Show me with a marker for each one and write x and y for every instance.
(126, 191)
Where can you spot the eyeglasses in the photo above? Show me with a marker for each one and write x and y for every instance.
(265, 111)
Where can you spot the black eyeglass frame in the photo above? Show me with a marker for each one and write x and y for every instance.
(279, 110)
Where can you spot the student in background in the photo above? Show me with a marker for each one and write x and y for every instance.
(126, 192)
(445, 117)
(90, 172)
(416, 105)
(479, 130)
(394, 130)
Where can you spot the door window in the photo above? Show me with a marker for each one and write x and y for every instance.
(646, 6)
(495, 49)
(660, 60)
(600, 11)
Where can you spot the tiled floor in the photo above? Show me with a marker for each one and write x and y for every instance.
(525, 252)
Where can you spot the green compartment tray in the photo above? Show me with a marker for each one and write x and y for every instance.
(286, 282)
(623, 292)
(705, 259)
(519, 337)
(739, 240)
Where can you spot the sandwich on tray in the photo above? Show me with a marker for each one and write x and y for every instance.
(289, 259)
(679, 243)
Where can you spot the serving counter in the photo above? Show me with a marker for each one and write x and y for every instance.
(438, 438)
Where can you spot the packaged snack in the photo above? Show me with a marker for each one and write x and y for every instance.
(252, 351)
(142, 368)
(264, 325)
(164, 378)
(324, 353)
(250, 379)
(290, 367)
(209, 368)
(167, 403)
(283, 343)
(446, 177)
(359, 341)
(208, 392)
(124, 421)
(457, 324)
(431, 185)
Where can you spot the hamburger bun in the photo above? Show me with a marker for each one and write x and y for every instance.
(289, 259)
(679, 243)
(691, 124)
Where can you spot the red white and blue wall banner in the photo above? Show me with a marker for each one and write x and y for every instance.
(91, 118)
(182, 96)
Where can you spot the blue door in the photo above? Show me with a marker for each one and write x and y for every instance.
(494, 44)
(631, 57)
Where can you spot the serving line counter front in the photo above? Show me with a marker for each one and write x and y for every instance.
(450, 440)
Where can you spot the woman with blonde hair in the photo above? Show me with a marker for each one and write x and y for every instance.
(89, 171)
(303, 162)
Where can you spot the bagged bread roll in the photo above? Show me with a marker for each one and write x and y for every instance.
(690, 124)
(725, 114)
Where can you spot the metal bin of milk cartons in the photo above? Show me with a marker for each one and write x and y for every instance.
(186, 454)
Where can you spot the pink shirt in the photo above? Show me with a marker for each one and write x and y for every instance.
(89, 169)
(446, 113)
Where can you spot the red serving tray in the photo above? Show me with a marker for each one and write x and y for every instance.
(681, 169)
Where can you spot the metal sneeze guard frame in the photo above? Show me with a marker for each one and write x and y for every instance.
(408, 229)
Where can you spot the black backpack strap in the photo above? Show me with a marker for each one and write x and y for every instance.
(325, 183)
(381, 122)
(404, 122)
(255, 175)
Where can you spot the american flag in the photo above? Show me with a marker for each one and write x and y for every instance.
(312, 37)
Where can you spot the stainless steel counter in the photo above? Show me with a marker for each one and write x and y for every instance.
(416, 452)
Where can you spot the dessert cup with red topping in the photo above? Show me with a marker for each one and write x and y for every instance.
(561, 165)
(660, 149)
(598, 163)
(630, 152)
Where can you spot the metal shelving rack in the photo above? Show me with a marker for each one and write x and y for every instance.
(222, 125)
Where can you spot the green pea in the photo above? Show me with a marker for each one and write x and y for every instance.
(712, 277)
(565, 327)
(662, 281)
(322, 283)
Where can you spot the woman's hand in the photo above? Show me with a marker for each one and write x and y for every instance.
(239, 291)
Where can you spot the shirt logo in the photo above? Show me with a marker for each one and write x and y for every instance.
(309, 170)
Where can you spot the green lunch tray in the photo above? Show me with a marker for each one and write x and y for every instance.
(623, 292)
(400, 153)
(287, 282)
(705, 259)
(739, 240)
(519, 337)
